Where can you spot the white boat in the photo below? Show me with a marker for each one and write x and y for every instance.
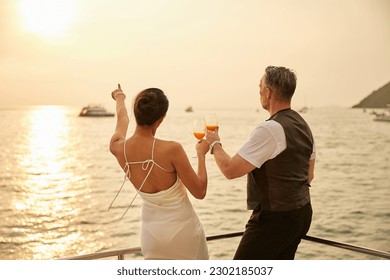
(95, 111)
(383, 117)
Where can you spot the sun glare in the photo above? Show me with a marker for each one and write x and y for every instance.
(47, 18)
(47, 142)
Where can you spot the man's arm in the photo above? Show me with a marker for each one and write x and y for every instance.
(231, 167)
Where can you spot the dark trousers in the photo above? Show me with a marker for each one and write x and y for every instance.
(274, 235)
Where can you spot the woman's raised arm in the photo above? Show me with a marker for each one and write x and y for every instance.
(122, 122)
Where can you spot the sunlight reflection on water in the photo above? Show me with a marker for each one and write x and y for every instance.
(48, 200)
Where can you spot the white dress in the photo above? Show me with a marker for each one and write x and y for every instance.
(170, 227)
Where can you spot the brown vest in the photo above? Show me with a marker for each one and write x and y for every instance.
(281, 183)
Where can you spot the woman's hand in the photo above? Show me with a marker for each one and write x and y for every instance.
(202, 147)
(117, 93)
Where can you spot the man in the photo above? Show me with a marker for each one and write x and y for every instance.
(278, 159)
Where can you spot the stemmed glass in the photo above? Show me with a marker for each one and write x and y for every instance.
(211, 121)
(199, 128)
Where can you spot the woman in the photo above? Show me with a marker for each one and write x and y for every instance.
(161, 172)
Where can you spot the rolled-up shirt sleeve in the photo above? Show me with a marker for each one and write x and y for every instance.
(266, 142)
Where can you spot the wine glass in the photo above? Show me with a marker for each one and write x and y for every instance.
(211, 121)
(199, 128)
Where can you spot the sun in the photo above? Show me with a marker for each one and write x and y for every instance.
(47, 18)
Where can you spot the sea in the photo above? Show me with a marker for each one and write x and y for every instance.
(58, 178)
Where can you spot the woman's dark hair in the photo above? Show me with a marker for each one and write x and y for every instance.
(149, 106)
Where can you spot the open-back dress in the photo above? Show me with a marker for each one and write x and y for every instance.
(170, 227)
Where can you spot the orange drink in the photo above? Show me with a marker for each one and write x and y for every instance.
(199, 135)
(212, 127)
(199, 128)
(211, 121)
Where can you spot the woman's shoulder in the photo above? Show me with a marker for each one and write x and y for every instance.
(169, 150)
(169, 144)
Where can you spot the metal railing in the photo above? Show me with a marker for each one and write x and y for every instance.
(120, 253)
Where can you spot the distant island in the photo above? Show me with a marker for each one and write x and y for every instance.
(377, 99)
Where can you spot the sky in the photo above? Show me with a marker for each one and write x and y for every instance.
(203, 53)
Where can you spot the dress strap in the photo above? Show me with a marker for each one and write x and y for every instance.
(154, 141)
(146, 164)
(124, 150)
